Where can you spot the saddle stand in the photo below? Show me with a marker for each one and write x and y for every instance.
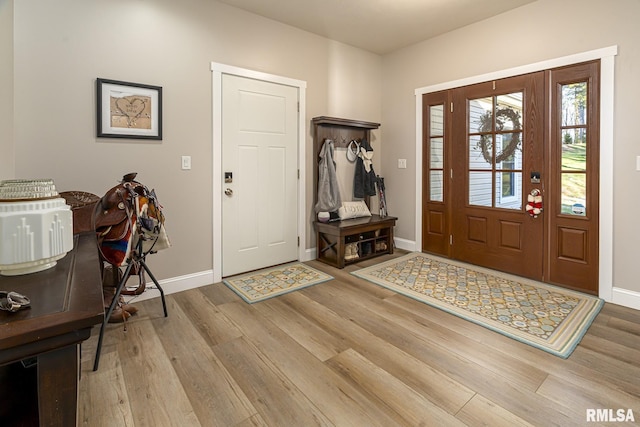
(136, 258)
(125, 217)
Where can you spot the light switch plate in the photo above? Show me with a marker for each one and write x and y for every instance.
(402, 163)
(186, 163)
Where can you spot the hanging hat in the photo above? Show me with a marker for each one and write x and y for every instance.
(352, 150)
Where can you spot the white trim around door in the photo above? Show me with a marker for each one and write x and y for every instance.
(606, 56)
(217, 71)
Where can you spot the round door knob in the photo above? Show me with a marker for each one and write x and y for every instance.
(228, 192)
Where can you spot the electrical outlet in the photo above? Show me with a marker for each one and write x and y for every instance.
(402, 163)
(186, 163)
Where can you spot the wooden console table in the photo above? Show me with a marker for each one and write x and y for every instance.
(372, 235)
(66, 302)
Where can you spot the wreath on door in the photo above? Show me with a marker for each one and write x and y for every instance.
(503, 116)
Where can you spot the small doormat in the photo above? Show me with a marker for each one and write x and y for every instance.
(550, 318)
(271, 282)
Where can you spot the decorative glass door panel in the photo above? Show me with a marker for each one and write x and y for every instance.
(436, 152)
(435, 187)
(574, 148)
(495, 151)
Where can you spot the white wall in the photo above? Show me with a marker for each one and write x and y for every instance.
(545, 29)
(6, 90)
(61, 47)
(352, 74)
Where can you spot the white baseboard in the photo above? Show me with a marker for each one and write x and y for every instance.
(626, 298)
(310, 254)
(172, 285)
(407, 245)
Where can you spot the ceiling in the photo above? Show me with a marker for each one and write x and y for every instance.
(379, 26)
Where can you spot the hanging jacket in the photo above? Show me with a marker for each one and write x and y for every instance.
(328, 191)
(364, 179)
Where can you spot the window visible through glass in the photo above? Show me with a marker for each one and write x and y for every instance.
(573, 133)
(436, 153)
(495, 151)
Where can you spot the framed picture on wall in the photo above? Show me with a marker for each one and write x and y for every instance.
(128, 110)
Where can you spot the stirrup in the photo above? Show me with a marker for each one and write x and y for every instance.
(142, 284)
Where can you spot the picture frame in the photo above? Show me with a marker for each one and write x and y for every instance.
(128, 110)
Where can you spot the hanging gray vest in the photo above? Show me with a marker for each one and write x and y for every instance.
(328, 192)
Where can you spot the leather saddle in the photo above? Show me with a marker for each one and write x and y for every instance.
(127, 213)
(115, 219)
(115, 214)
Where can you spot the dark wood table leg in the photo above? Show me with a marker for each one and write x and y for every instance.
(58, 386)
(340, 251)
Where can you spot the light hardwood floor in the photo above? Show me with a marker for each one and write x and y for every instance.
(346, 353)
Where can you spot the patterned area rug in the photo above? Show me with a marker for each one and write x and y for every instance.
(550, 318)
(271, 282)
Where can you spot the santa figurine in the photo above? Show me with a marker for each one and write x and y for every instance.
(534, 203)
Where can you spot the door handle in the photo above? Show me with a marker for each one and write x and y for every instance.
(228, 192)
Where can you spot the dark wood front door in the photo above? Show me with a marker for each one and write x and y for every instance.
(495, 153)
(498, 141)
(436, 167)
(574, 152)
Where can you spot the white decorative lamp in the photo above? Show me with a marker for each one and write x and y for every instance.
(36, 226)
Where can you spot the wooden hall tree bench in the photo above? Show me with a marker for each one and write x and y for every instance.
(373, 236)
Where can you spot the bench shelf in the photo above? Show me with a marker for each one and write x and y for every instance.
(373, 236)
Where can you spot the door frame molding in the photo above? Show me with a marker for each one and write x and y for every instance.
(606, 56)
(217, 71)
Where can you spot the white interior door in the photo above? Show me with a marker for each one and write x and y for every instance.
(260, 178)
